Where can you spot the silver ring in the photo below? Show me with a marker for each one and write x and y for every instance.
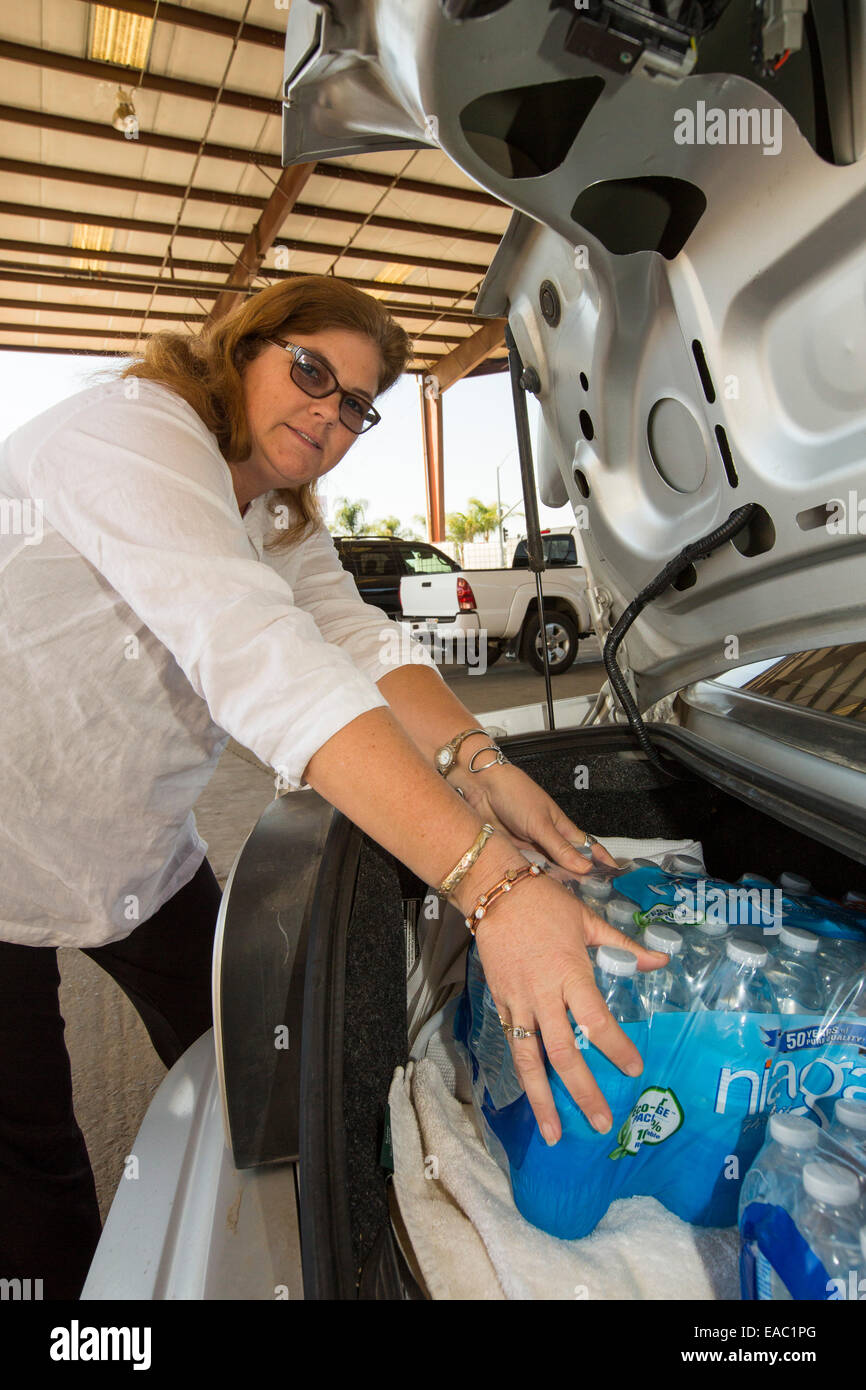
(589, 841)
(519, 1032)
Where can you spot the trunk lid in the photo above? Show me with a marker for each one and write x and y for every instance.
(684, 271)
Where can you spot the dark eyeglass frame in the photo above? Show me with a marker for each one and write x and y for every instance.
(372, 416)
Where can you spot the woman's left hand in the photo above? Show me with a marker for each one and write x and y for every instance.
(513, 803)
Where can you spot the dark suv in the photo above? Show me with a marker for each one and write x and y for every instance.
(378, 563)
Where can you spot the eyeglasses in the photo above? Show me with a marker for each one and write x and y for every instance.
(316, 379)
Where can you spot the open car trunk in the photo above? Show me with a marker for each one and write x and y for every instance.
(355, 1020)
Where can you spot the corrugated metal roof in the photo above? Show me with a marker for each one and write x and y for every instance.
(177, 203)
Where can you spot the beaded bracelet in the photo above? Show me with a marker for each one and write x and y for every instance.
(505, 885)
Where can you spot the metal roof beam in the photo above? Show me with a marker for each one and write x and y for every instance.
(470, 354)
(66, 252)
(204, 289)
(43, 306)
(133, 224)
(215, 195)
(189, 289)
(239, 154)
(123, 76)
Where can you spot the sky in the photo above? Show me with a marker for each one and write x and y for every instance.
(385, 466)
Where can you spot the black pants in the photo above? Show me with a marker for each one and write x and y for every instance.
(49, 1216)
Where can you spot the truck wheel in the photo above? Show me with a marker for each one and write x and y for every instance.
(562, 642)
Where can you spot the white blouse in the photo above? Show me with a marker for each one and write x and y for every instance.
(141, 624)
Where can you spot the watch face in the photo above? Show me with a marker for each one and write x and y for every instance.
(444, 758)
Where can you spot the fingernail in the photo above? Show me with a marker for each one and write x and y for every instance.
(600, 1122)
(548, 1133)
(634, 1069)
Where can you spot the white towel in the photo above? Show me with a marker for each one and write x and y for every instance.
(471, 1242)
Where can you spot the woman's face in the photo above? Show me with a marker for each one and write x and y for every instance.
(297, 438)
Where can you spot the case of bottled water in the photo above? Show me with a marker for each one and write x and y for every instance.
(752, 1015)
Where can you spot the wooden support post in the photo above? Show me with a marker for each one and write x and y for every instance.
(434, 460)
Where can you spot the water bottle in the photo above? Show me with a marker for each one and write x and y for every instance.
(703, 946)
(755, 880)
(615, 972)
(829, 1220)
(685, 864)
(737, 984)
(847, 1001)
(836, 960)
(794, 973)
(619, 912)
(773, 1181)
(487, 1040)
(795, 884)
(595, 890)
(849, 1127)
(665, 990)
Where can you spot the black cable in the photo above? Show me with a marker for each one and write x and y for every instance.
(697, 550)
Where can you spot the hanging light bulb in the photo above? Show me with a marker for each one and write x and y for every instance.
(124, 119)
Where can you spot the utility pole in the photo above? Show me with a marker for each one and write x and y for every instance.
(499, 510)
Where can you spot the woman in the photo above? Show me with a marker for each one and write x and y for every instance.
(183, 589)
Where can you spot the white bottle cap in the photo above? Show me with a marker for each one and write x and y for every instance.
(620, 912)
(852, 1113)
(660, 938)
(794, 1131)
(830, 1182)
(800, 939)
(747, 952)
(615, 961)
(685, 864)
(594, 886)
(711, 927)
(794, 883)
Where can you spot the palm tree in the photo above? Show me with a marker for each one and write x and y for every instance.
(349, 518)
(460, 528)
(484, 518)
(389, 526)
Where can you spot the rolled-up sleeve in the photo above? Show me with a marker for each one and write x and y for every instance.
(140, 489)
(330, 595)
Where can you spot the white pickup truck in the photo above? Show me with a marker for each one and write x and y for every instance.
(502, 605)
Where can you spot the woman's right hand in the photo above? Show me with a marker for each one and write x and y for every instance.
(533, 950)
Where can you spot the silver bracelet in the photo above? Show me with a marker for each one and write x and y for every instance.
(488, 748)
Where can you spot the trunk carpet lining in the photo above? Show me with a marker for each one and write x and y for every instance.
(624, 796)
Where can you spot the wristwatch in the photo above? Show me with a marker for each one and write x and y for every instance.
(445, 757)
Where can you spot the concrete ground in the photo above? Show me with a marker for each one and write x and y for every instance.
(114, 1068)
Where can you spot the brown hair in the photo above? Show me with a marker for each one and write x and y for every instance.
(206, 369)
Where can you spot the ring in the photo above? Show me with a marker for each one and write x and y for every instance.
(588, 842)
(518, 1032)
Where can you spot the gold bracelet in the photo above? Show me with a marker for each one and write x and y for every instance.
(462, 867)
(505, 885)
